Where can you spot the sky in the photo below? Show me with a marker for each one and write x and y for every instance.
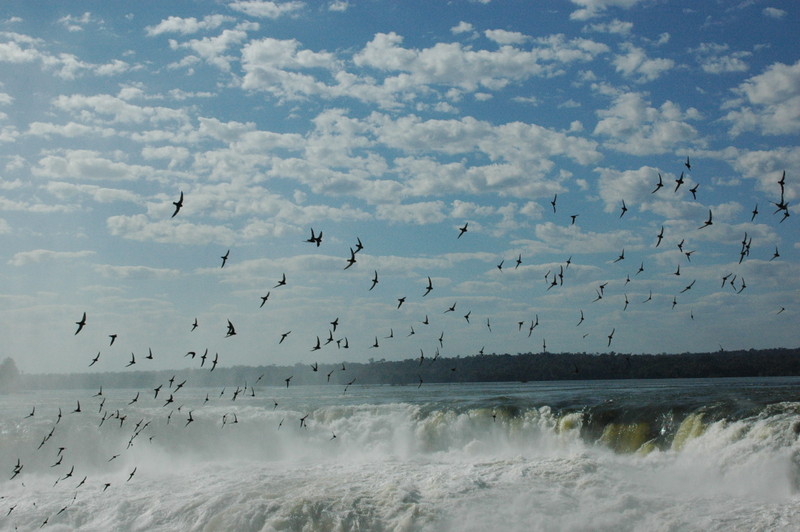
(531, 124)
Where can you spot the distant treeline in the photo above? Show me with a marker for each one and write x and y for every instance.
(478, 368)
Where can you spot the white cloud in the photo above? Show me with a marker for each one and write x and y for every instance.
(87, 164)
(99, 106)
(773, 12)
(68, 130)
(461, 27)
(715, 59)
(213, 49)
(265, 9)
(774, 102)
(506, 37)
(339, 5)
(73, 23)
(615, 26)
(592, 8)
(635, 64)
(24, 258)
(634, 127)
(415, 213)
(186, 26)
(135, 272)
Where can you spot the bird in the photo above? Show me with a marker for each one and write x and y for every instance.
(282, 282)
(553, 202)
(775, 255)
(623, 210)
(77, 408)
(178, 204)
(573, 217)
(287, 380)
(352, 259)
(400, 301)
(621, 256)
(462, 230)
(660, 236)
(581, 320)
(688, 287)
(519, 261)
(315, 239)
(283, 336)
(451, 309)
(264, 299)
(231, 330)
(466, 316)
(132, 361)
(500, 266)
(113, 337)
(359, 245)
(707, 222)
(130, 476)
(610, 337)
(658, 185)
(679, 182)
(149, 354)
(687, 164)
(428, 288)
(693, 190)
(755, 213)
(81, 324)
(194, 325)
(317, 346)
(374, 280)
(95, 359)
(225, 258)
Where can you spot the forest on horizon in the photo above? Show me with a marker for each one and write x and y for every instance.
(522, 367)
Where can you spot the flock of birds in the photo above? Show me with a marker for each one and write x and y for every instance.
(170, 392)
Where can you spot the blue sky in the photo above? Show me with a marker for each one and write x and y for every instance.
(396, 125)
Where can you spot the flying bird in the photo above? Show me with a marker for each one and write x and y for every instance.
(352, 259)
(231, 330)
(225, 258)
(282, 282)
(178, 204)
(658, 185)
(462, 230)
(81, 324)
(707, 222)
(428, 288)
(679, 182)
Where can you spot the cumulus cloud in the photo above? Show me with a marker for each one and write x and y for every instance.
(265, 9)
(615, 26)
(717, 59)
(633, 126)
(768, 102)
(188, 25)
(592, 8)
(635, 64)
